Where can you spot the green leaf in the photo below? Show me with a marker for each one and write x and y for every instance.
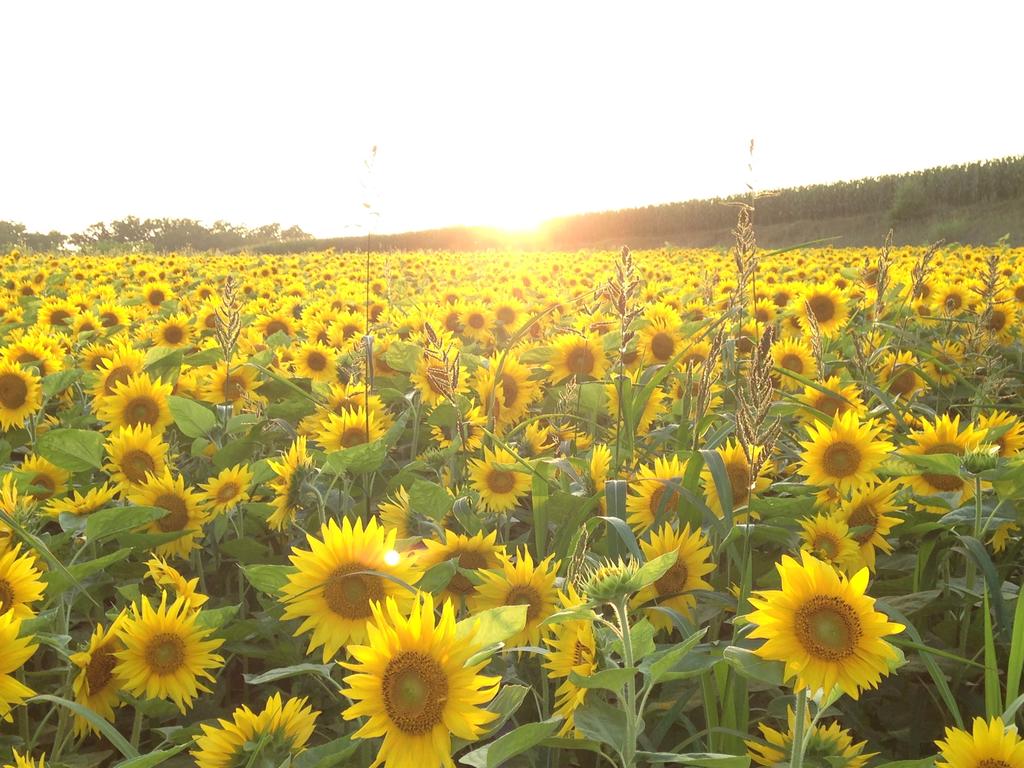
(193, 419)
(642, 635)
(601, 721)
(707, 759)
(58, 581)
(514, 743)
(437, 576)
(76, 450)
(109, 522)
(268, 579)
(215, 618)
(359, 459)
(753, 667)
(657, 667)
(153, 758)
(936, 463)
(1015, 662)
(613, 679)
(924, 762)
(506, 703)
(403, 356)
(327, 755)
(56, 383)
(107, 729)
(430, 499)
(654, 569)
(295, 670)
(495, 625)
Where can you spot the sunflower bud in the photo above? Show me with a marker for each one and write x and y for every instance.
(985, 456)
(614, 582)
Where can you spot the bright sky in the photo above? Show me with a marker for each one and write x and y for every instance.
(484, 113)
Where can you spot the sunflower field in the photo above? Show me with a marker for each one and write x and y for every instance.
(673, 507)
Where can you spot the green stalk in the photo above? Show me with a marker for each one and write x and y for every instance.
(629, 747)
(799, 735)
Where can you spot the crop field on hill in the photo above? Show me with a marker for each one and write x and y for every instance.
(420, 509)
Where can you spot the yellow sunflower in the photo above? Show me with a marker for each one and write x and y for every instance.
(686, 574)
(166, 652)
(330, 589)
(45, 479)
(572, 649)
(656, 495)
(290, 472)
(137, 401)
(316, 361)
(20, 583)
(164, 574)
(230, 385)
(20, 394)
(899, 376)
(14, 652)
(943, 435)
(82, 504)
(741, 483)
(988, 745)
(227, 489)
(513, 392)
(431, 379)
(837, 399)
(96, 686)
(395, 514)
(827, 305)
(828, 538)
(470, 553)
(413, 684)
(173, 332)
(184, 513)
(280, 732)
(25, 760)
(866, 513)
(134, 454)
(499, 479)
(823, 627)
(795, 356)
(826, 745)
(844, 455)
(579, 356)
(1003, 429)
(520, 583)
(660, 342)
(350, 428)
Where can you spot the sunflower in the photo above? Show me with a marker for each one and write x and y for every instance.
(290, 472)
(351, 428)
(653, 407)
(866, 513)
(794, 356)
(844, 455)
(134, 454)
(988, 745)
(20, 394)
(470, 553)
(184, 515)
(431, 379)
(279, 731)
(513, 392)
(14, 652)
(573, 649)
(112, 315)
(520, 583)
(737, 468)
(499, 480)
(395, 514)
(275, 322)
(20, 583)
(316, 361)
(1004, 430)
(831, 398)
(414, 684)
(823, 627)
(826, 745)
(155, 293)
(660, 342)
(330, 590)
(475, 323)
(943, 435)
(828, 538)
(166, 652)
(656, 495)
(579, 356)
(96, 686)
(173, 332)
(230, 384)
(474, 422)
(827, 306)
(137, 401)
(26, 761)
(686, 574)
(898, 372)
(45, 479)
(82, 504)
(44, 354)
(228, 489)
(165, 575)
(942, 365)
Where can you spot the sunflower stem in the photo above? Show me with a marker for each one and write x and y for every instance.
(137, 728)
(629, 747)
(799, 734)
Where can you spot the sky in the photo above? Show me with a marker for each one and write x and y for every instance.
(483, 113)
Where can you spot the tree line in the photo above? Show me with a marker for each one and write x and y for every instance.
(160, 235)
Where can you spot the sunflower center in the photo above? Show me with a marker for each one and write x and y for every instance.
(47, 483)
(662, 345)
(991, 762)
(316, 361)
(415, 691)
(100, 669)
(349, 594)
(524, 594)
(118, 375)
(780, 298)
(142, 410)
(499, 481)
(475, 321)
(829, 404)
(660, 504)
(997, 321)
(108, 319)
(156, 298)
(946, 483)
(136, 464)
(228, 491)
(792, 362)
(234, 387)
(506, 315)
(509, 390)
(828, 627)
(353, 436)
(823, 308)
(841, 459)
(459, 584)
(826, 544)
(739, 481)
(953, 302)
(580, 653)
(7, 596)
(165, 653)
(177, 512)
(274, 326)
(60, 317)
(174, 334)
(904, 383)
(580, 360)
(863, 517)
(13, 391)
(674, 580)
